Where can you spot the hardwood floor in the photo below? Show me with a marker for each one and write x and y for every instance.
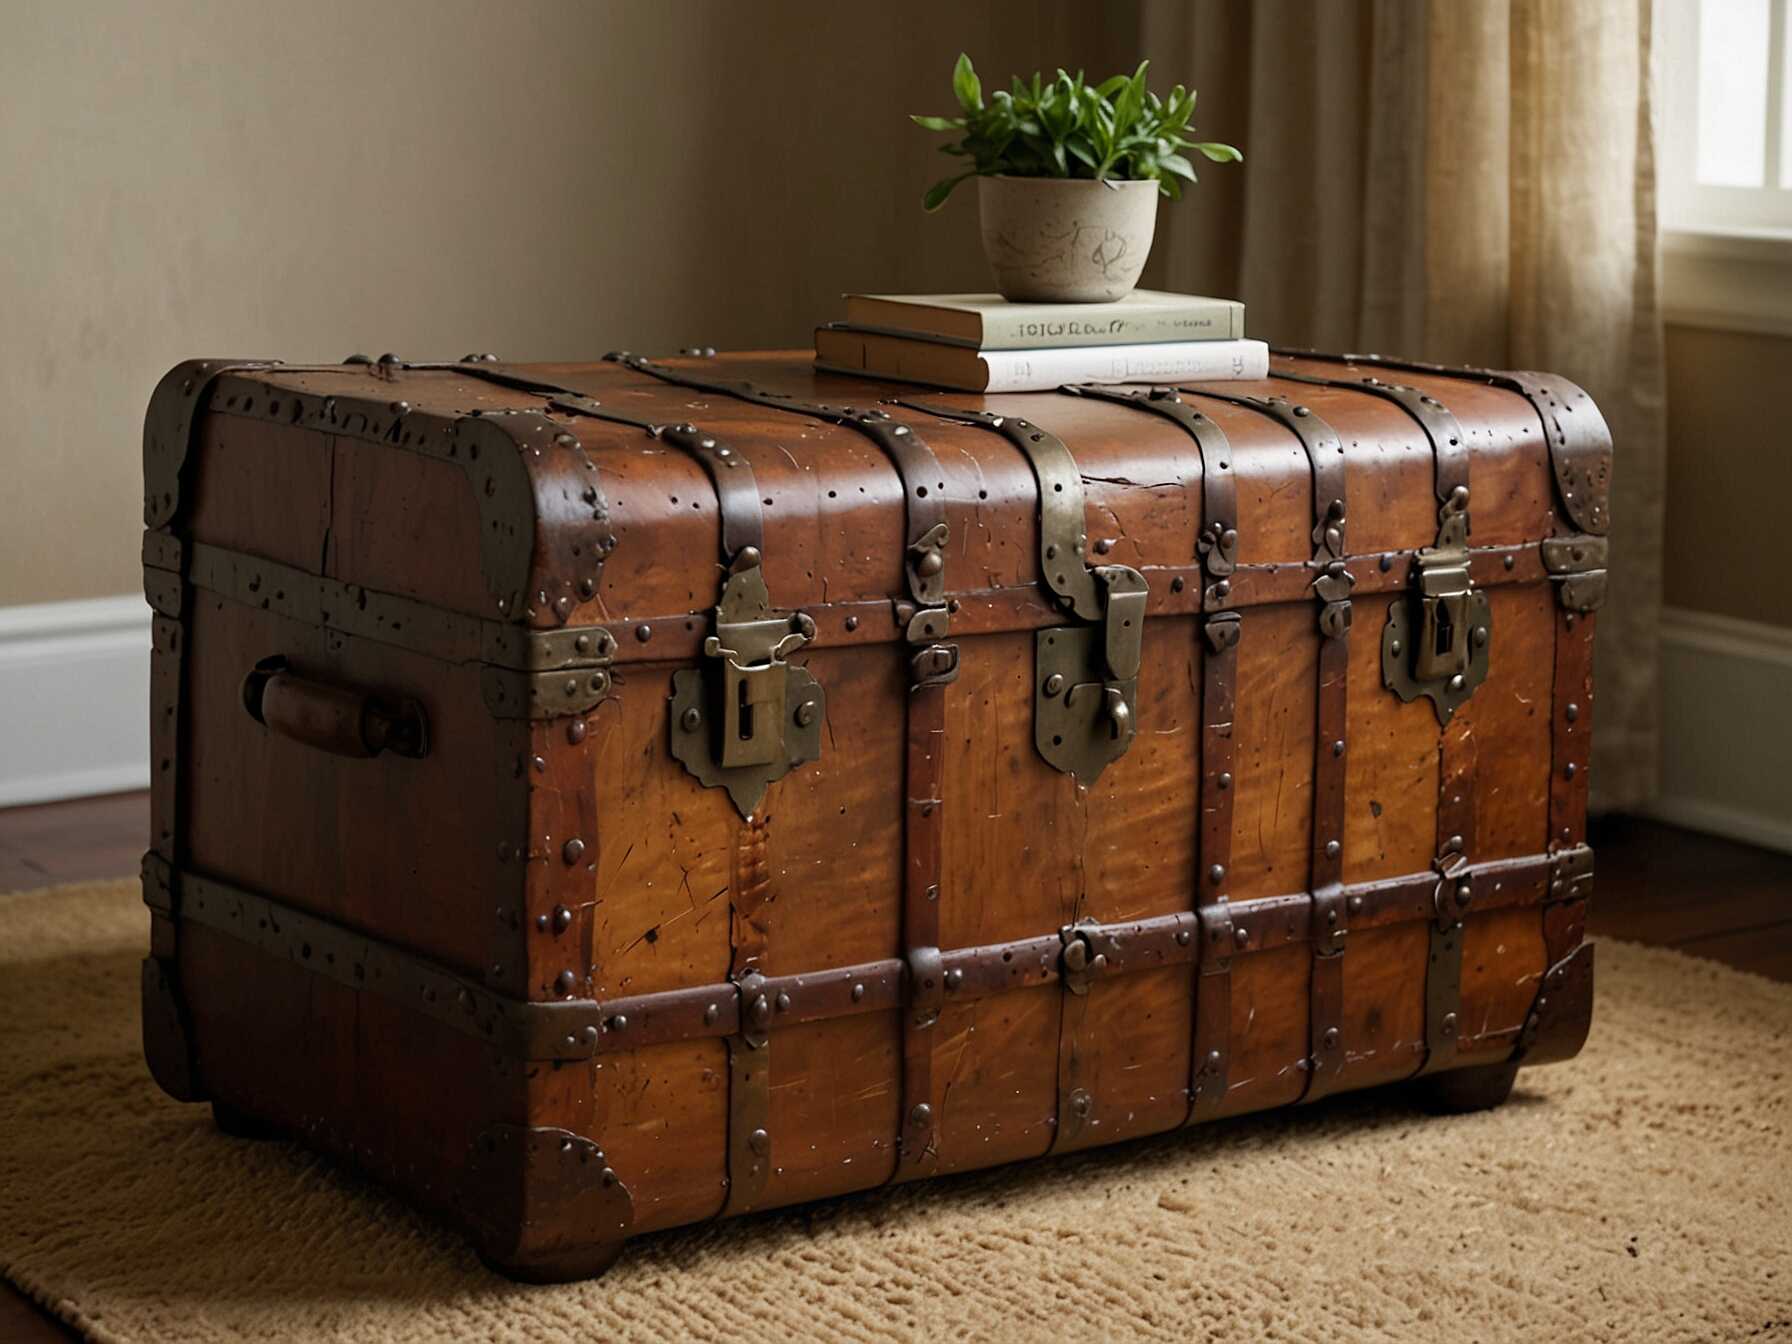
(1656, 884)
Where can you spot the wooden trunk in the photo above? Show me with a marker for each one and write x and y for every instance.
(595, 798)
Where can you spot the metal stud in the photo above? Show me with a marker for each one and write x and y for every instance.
(760, 1142)
(643, 633)
(1241, 935)
(565, 983)
(921, 1116)
(1330, 1039)
(1216, 874)
(562, 919)
(1333, 849)
(858, 993)
(573, 850)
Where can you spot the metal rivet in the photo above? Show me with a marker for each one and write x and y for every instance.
(562, 918)
(1182, 937)
(643, 633)
(759, 1012)
(1456, 682)
(760, 1142)
(619, 1022)
(922, 1116)
(1386, 562)
(1222, 588)
(1333, 849)
(1176, 584)
(1448, 1025)
(954, 978)
(782, 1002)
(1570, 770)
(710, 1014)
(565, 983)
(1302, 411)
(1330, 1039)
(691, 720)
(1464, 894)
(1338, 747)
(805, 714)
(1213, 1059)
(573, 850)
(1394, 648)
(1455, 842)
(1103, 546)
(1216, 874)
(1225, 779)
(1054, 684)
(852, 623)
(1510, 561)
(575, 731)
(1572, 712)
(582, 644)
(858, 993)
(1356, 905)
(1241, 935)
(1480, 636)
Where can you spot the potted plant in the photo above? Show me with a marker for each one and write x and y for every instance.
(1068, 177)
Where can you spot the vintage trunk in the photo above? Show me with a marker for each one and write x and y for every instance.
(594, 798)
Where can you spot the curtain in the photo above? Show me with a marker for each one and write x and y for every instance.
(1470, 181)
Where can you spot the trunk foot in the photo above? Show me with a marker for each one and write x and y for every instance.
(1461, 1090)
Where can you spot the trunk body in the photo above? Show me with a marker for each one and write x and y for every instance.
(595, 798)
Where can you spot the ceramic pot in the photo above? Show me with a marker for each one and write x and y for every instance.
(1066, 240)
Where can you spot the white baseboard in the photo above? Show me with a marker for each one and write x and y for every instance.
(74, 699)
(1726, 727)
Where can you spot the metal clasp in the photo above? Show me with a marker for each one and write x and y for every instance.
(1084, 705)
(749, 717)
(1435, 644)
(1080, 962)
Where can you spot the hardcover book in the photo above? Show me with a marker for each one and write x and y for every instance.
(990, 322)
(846, 349)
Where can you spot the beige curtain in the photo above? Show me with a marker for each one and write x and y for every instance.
(1463, 180)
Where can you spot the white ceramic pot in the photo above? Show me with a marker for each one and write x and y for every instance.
(1066, 240)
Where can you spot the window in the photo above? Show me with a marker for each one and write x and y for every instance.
(1725, 116)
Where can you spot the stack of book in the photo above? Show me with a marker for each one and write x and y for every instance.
(983, 343)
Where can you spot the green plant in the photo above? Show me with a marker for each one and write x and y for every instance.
(1114, 130)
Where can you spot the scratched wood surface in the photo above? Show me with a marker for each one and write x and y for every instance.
(470, 855)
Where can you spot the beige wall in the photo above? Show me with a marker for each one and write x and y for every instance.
(546, 180)
(1729, 473)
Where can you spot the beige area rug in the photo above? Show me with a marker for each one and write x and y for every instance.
(1641, 1192)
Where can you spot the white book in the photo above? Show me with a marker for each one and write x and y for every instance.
(1171, 361)
(845, 349)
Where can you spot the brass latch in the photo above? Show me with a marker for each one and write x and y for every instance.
(1085, 701)
(748, 717)
(1435, 642)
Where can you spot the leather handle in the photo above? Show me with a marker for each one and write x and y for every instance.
(342, 720)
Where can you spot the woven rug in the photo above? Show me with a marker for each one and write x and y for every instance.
(1641, 1192)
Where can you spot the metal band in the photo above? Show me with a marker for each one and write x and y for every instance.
(923, 485)
(1571, 734)
(1580, 444)
(525, 673)
(1331, 586)
(749, 1049)
(1448, 450)
(932, 669)
(1217, 546)
(1063, 544)
(575, 1029)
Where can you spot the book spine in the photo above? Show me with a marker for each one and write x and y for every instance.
(1220, 320)
(1185, 361)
